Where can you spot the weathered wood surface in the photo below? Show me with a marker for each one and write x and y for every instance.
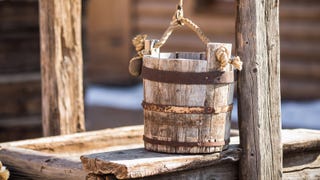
(226, 171)
(20, 102)
(299, 34)
(61, 67)
(13, 129)
(301, 151)
(258, 46)
(59, 157)
(219, 95)
(38, 165)
(301, 155)
(137, 162)
(109, 42)
(300, 89)
(187, 128)
(20, 95)
(19, 40)
(74, 143)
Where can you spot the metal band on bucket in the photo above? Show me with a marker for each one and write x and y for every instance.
(209, 143)
(186, 109)
(213, 77)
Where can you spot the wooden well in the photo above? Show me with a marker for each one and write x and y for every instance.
(187, 101)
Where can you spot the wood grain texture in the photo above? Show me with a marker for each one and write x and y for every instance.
(13, 129)
(61, 67)
(60, 157)
(225, 171)
(109, 37)
(301, 155)
(74, 143)
(137, 162)
(20, 95)
(19, 40)
(259, 89)
(187, 127)
(300, 35)
(37, 165)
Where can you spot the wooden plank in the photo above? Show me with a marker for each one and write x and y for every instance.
(301, 155)
(13, 129)
(74, 143)
(18, 14)
(299, 140)
(291, 88)
(59, 157)
(225, 171)
(37, 165)
(214, 25)
(19, 40)
(303, 12)
(187, 128)
(109, 42)
(164, 9)
(304, 50)
(61, 64)
(20, 95)
(24, 158)
(132, 163)
(178, 127)
(300, 70)
(257, 30)
(303, 174)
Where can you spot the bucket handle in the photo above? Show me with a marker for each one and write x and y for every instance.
(179, 20)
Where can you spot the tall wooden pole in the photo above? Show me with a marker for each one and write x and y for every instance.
(259, 89)
(61, 67)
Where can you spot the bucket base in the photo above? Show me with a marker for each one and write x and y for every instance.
(184, 150)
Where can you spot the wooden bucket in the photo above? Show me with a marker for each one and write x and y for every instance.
(187, 101)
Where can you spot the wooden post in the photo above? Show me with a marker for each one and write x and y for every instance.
(259, 89)
(61, 67)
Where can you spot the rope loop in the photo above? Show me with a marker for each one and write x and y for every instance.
(178, 19)
(222, 56)
(179, 15)
(136, 62)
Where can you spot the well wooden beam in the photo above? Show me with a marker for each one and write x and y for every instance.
(58, 157)
(257, 33)
(61, 67)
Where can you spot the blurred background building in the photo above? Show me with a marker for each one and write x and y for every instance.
(112, 96)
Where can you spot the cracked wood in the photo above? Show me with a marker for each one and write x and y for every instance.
(61, 67)
(259, 89)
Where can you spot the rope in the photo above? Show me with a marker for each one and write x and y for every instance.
(222, 56)
(181, 3)
(138, 43)
(179, 20)
(236, 62)
(136, 62)
(4, 173)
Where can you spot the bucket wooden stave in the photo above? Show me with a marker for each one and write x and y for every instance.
(186, 117)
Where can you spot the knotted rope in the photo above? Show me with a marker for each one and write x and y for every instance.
(177, 21)
(4, 173)
(222, 56)
(135, 63)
